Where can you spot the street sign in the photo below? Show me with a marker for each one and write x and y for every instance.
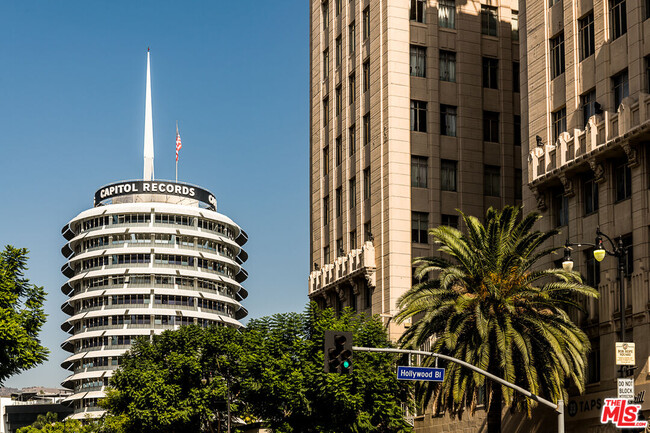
(624, 353)
(626, 388)
(421, 373)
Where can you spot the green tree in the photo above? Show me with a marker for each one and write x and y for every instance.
(492, 306)
(21, 315)
(48, 424)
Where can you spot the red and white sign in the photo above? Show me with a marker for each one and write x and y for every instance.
(621, 413)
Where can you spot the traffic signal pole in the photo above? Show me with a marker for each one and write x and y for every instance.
(558, 408)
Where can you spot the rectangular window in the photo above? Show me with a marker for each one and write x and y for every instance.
(325, 10)
(489, 20)
(339, 7)
(366, 23)
(447, 14)
(647, 73)
(353, 240)
(419, 166)
(367, 233)
(448, 120)
(339, 150)
(366, 129)
(366, 183)
(418, 116)
(517, 130)
(558, 123)
(560, 208)
(366, 75)
(592, 277)
(515, 77)
(492, 180)
(339, 201)
(629, 255)
(593, 364)
(352, 37)
(514, 24)
(622, 179)
(646, 15)
(518, 184)
(447, 66)
(339, 102)
(326, 255)
(588, 103)
(490, 70)
(586, 36)
(557, 55)
(418, 10)
(448, 175)
(339, 51)
(618, 17)
(326, 111)
(419, 227)
(352, 192)
(352, 88)
(621, 88)
(326, 160)
(326, 64)
(418, 61)
(449, 220)
(352, 139)
(491, 126)
(339, 247)
(326, 210)
(590, 195)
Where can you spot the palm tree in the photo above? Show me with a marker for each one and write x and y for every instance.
(490, 305)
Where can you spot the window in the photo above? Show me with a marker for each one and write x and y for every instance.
(448, 175)
(588, 103)
(326, 111)
(590, 193)
(352, 88)
(492, 180)
(618, 17)
(366, 75)
(518, 183)
(447, 66)
(490, 68)
(647, 9)
(352, 192)
(560, 208)
(326, 63)
(366, 23)
(419, 171)
(592, 277)
(447, 14)
(489, 20)
(418, 116)
(647, 72)
(352, 139)
(326, 210)
(558, 123)
(366, 129)
(593, 364)
(418, 10)
(339, 101)
(326, 160)
(352, 37)
(325, 10)
(517, 130)
(515, 77)
(368, 297)
(553, 2)
(586, 36)
(419, 226)
(367, 233)
(339, 51)
(629, 255)
(491, 126)
(418, 61)
(557, 55)
(339, 247)
(448, 120)
(514, 24)
(621, 88)
(338, 7)
(339, 150)
(622, 179)
(449, 220)
(326, 255)
(366, 183)
(339, 201)
(353, 240)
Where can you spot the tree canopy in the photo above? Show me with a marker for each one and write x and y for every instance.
(21, 315)
(491, 305)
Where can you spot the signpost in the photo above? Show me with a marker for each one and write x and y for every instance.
(626, 388)
(624, 353)
(421, 373)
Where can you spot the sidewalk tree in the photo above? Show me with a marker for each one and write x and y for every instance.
(491, 305)
(21, 315)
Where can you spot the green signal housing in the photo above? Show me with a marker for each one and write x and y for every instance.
(337, 351)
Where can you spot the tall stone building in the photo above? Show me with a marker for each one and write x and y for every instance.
(586, 129)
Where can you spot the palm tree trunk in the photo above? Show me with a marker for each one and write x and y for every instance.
(494, 412)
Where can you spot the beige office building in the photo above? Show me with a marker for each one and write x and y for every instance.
(586, 129)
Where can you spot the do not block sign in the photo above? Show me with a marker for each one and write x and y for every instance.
(421, 373)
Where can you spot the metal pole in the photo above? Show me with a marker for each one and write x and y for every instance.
(621, 274)
(560, 416)
(228, 403)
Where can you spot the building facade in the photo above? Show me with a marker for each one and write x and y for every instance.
(586, 129)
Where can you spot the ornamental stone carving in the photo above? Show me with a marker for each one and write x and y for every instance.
(631, 153)
(539, 197)
(598, 169)
(567, 184)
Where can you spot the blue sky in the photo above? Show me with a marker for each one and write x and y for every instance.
(235, 76)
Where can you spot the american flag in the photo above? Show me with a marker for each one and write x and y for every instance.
(179, 146)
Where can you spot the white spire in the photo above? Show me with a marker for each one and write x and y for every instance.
(148, 128)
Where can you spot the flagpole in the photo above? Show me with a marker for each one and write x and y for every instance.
(177, 153)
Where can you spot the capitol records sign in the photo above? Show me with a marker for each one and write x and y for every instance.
(155, 187)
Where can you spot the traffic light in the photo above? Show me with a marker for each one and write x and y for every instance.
(338, 352)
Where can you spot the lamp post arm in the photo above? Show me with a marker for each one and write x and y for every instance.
(611, 242)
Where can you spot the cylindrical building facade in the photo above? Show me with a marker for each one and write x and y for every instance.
(149, 256)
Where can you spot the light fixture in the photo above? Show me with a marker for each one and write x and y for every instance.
(567, 263)
(599, 254)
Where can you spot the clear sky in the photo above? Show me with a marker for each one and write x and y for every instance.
(235, 76)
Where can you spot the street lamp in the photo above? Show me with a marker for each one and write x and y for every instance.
(618, 250)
